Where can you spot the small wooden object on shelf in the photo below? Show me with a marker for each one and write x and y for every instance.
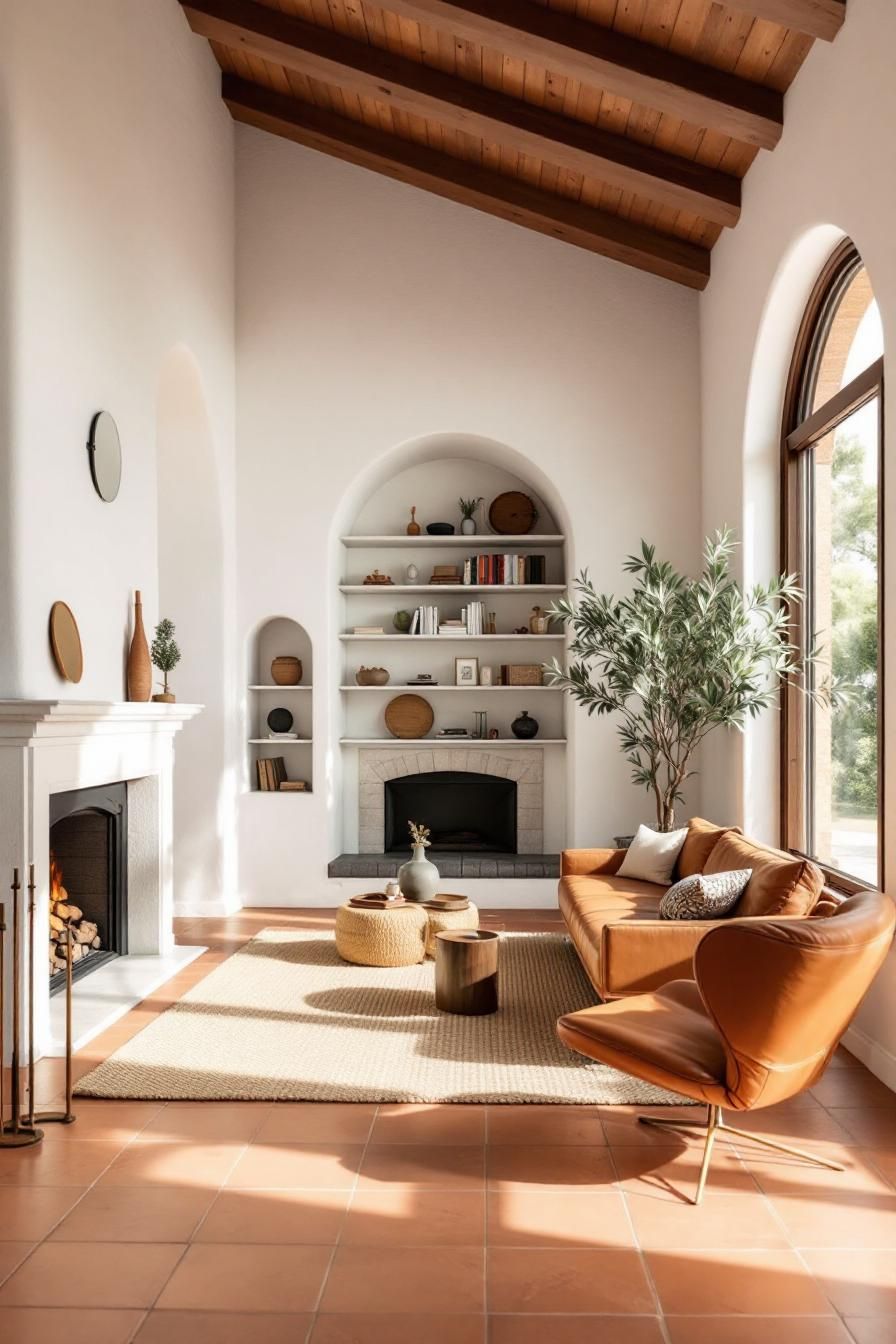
(377, 580)
(376, 900)
(522, 674)
(139, 665)
(512, 513)
(409, 716)
(413, 528)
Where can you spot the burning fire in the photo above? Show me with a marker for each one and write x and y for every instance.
(67, 922)
(57, 890)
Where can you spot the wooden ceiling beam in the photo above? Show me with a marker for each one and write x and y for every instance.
(817, 18)
(467, 183)
(605, 59)
(469, 108)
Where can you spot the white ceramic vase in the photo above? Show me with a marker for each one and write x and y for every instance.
(468, 527)
(418, 878)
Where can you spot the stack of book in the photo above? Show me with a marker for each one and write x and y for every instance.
(454, 732)
(293, 786)
(425, 621)
(271, 773)
(473, 617)
(368, 630)
(452, 628)
(446, 574)
(487, 570)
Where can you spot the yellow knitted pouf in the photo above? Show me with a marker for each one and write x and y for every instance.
(381, 937)
(442, 920)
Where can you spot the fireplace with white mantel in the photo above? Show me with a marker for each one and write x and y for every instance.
(53, 748)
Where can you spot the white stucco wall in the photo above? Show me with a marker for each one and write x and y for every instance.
(370, 316)
(116, 255)
(834, 173)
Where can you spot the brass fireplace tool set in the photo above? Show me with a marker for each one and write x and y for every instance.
(21, 1129)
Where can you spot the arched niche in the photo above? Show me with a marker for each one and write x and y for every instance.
(278, 637)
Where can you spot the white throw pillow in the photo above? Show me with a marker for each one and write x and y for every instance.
(652, 854)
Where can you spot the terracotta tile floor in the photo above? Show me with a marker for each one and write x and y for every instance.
(320, 1224)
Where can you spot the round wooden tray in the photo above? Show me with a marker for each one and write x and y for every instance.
(512, 513)
(375, 900)
(447, 903)
(409, 716)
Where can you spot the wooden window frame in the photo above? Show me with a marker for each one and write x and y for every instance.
(801, 429)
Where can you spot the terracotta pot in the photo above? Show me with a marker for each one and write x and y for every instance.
(165, 698)
(372, 676)
(139, 666)
(286, 671)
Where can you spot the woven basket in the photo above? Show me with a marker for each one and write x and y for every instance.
(381, 937)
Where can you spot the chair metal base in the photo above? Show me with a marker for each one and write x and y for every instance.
(715, 1122)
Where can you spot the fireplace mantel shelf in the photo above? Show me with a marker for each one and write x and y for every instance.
(30, 721)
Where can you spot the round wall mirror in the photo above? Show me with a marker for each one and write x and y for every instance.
(104, 447)
(65, 642)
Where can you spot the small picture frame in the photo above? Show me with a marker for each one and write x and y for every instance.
(466, 671)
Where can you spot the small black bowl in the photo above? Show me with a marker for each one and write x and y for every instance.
(280, 721)
(440, 529)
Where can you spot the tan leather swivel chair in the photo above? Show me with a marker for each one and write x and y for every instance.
(758, 1023)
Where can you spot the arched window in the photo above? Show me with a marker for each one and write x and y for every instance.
(832, 779)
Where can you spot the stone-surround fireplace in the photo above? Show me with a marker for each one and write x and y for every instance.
(523, 765)
(49, 751)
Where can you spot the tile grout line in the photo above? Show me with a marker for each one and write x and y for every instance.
(315, 1312)
(645, 1267)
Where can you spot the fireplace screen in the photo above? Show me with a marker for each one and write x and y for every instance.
(87, 878)
(464, 811)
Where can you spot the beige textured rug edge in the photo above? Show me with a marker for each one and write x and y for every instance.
(285, 1019)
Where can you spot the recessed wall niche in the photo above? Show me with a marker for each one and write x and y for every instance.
(280, 678)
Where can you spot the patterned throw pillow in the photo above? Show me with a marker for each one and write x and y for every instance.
(704, 896)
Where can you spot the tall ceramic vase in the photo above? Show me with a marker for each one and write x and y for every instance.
(418, 879)
(139, 666)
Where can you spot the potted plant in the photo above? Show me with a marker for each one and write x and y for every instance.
(418, 879)
(165, 655)
(678, 658)
(468, 508)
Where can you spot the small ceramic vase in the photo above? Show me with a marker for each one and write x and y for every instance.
(538, 622)
(468, 527)
(413, 527)
(524, 726)
(418, 878)
(372, 676)
(393, 891)
(402, 621)
(286, 671)
(485, 676)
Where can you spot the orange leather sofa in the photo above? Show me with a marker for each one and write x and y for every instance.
(614, 921)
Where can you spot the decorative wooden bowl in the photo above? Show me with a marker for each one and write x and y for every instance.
(375, 900)
(372, 676)
(286, 671)
(409, 716)
(512, 513)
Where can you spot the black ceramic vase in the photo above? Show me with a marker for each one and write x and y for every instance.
(524, 727)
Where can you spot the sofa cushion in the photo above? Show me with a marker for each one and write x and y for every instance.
(780, 885)
(651, 855)
(699, 843)
(704, 895)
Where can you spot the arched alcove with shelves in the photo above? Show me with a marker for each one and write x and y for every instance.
(279, 637)
(432, 475)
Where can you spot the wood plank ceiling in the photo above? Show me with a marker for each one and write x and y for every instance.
(621, 126)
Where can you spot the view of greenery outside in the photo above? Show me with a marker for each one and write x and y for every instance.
(854, 597)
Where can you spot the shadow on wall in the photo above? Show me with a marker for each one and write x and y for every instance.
(192, 595)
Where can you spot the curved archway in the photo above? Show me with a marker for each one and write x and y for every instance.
(193, 593)
(366, 509)
(760, 526)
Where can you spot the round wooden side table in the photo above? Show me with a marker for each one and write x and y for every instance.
(467, 971)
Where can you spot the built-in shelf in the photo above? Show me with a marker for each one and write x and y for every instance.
(356, 588)
(476, 542)
(279, 688)
(467, 690)
(279, 741)
(452, 742)
(451, 639)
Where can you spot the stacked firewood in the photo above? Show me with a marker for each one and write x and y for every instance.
(67, 919)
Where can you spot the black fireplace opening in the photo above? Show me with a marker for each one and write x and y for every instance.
(465, 812)
(88, 879)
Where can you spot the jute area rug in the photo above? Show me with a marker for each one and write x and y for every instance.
(285, 1019)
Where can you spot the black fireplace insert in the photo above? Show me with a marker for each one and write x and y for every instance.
(465, 812)
(88, 879)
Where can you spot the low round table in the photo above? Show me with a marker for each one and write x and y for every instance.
(467, 971)
(381, 937)
(440, 921)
